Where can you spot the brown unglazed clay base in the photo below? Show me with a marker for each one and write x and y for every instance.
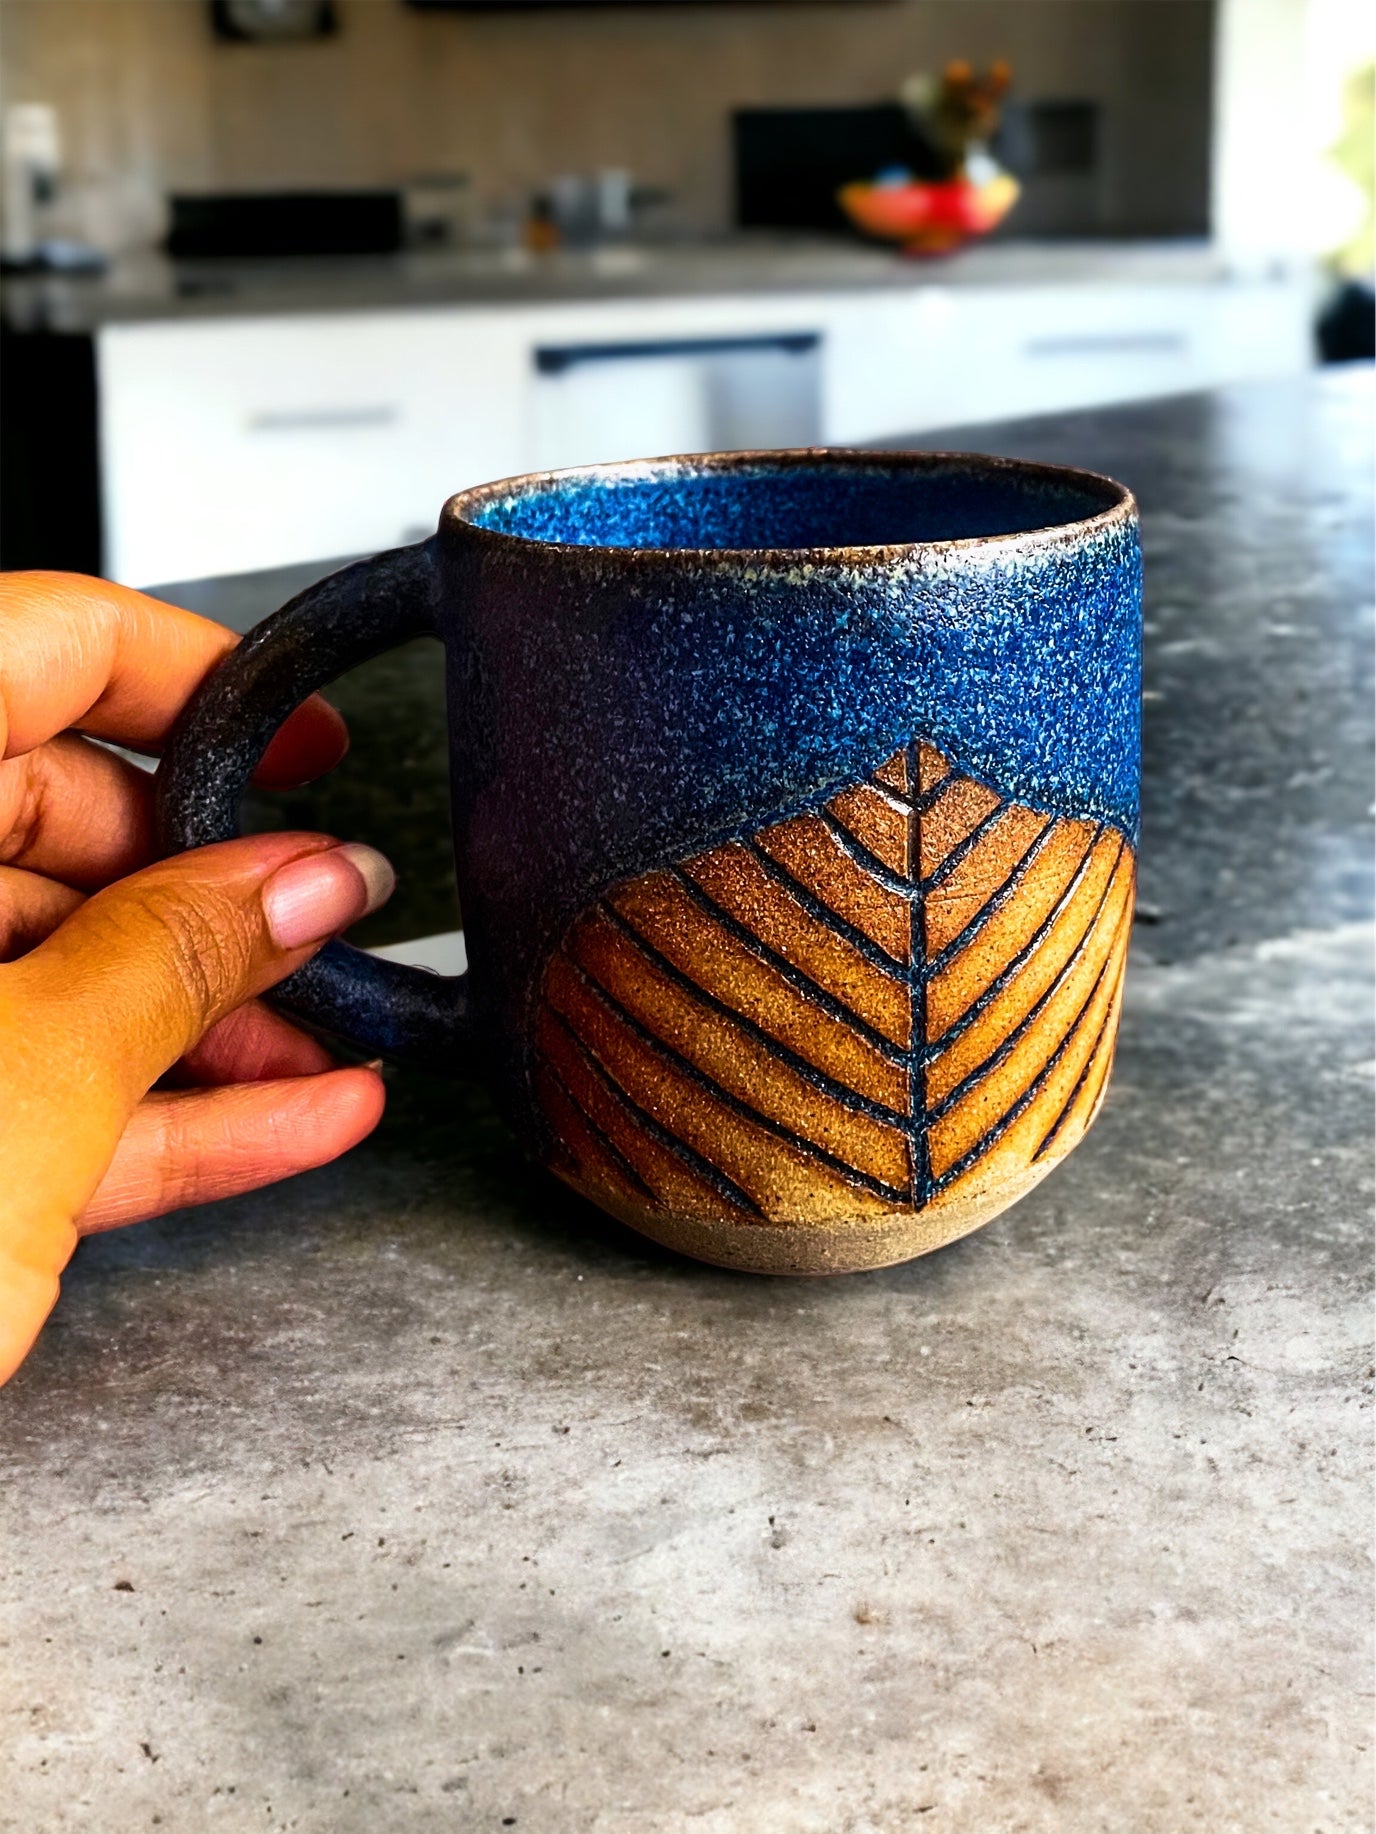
(841, 1245)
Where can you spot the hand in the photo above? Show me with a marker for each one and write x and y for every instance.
(115, 972)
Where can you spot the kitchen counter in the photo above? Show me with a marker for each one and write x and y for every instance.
(149, 286)
(416, 1495)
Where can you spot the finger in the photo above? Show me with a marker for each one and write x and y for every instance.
(251, 1045)
(137, 975)
(79, 812)
(31, 908)
(194, 1147)
(76, 812)
(311, 742)
(84, 652)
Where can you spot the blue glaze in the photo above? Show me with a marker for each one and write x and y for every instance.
(807, 504)
(631, 682)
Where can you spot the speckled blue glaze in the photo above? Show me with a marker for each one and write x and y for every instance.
(810, 503)
(647, 660)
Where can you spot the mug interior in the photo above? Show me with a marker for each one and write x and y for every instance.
(787, 501)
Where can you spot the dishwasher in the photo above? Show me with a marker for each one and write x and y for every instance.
(596, 402)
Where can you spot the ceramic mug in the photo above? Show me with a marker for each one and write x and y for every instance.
(795, 806)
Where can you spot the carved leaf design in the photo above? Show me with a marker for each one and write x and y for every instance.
(903, 1003)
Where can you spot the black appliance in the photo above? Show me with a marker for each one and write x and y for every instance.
(286, 223)
(790, 162)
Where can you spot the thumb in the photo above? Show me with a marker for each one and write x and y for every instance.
(135, 976)
(124, 988)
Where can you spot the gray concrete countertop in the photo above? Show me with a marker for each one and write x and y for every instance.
(415, 1496)
(150, 287)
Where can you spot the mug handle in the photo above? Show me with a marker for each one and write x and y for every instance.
(407, 1014)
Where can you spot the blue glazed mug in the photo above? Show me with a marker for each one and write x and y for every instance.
(795, 808)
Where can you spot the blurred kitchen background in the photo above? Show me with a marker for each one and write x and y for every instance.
(283, 274)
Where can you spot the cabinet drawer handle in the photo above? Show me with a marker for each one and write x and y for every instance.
(555, 360)
(313, 420)
(1105, 343)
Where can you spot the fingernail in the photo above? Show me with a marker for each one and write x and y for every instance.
(317, 897)
(375, 870)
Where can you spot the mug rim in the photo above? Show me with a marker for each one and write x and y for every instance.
(1120, 507)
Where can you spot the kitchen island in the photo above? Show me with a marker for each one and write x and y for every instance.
(335, 401)
(416, 1495)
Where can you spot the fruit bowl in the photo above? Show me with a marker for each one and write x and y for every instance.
(930, 218)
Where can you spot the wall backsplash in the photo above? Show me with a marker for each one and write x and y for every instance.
(150, 102)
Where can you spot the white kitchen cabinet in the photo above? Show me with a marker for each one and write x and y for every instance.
(228, 445)
(957, 355)
(239, 443)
